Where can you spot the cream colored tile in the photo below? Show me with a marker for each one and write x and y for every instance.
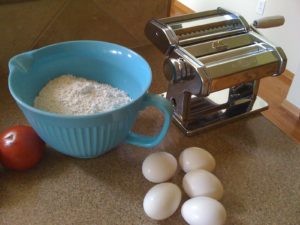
(85, 20)
(134, 14)
(155, 59)
(21, 23)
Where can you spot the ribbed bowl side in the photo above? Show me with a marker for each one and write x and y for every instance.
(83, 142)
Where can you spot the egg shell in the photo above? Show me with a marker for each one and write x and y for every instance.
(203, 211)
(162, 200)
(196, 158)
(159, 167)
(202, 183)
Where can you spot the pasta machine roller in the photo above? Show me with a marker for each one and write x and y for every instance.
(214, 63)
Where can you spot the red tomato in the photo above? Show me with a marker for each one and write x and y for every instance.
(20, 148)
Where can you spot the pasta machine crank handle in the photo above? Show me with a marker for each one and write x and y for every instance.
(268, 22)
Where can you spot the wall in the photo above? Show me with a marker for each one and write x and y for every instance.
(287, 36)
(294, 92)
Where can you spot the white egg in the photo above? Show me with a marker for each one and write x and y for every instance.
(203, 211)
(202, 183)
(159, 167)
(196, 158)
(162, 200)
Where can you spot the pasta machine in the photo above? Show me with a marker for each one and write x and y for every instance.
(214, 63)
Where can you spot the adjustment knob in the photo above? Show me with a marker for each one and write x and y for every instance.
(174, 69)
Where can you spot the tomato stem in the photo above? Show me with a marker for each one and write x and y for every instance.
(10, 137)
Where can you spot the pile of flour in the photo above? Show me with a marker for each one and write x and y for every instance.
(71, 95)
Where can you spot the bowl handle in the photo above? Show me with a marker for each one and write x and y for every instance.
(150, 141)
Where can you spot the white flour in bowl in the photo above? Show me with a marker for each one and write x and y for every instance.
(71, 95)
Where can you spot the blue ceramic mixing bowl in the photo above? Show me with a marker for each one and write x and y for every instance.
(86, 136)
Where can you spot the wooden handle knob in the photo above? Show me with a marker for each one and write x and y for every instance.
(267, 22)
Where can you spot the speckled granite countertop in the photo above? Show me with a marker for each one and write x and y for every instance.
(258, 164)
